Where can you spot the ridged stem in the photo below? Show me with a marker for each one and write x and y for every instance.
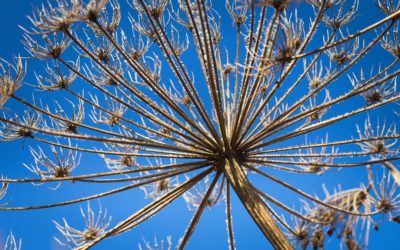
(254, 205)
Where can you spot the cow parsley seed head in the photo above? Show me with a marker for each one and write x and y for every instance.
(195, 196)
(52, 48)
(391, 41)
(386, 196)
(123, 157)
(91, 10)
(290, 39)
(57, 18)
(237, 10)
(95, 226)
(380, 93)
(183, 104)
(318, 74)
(328, 3)
(20, 126)
(279, 5)
(378, 148)
(110, 115)
(388, 7)
(340, 16)
(157, 245)
(344, 52)
(57, 164)
(55, 79)
(160, 187)
(11, 77)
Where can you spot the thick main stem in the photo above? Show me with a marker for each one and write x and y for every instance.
(255, 205)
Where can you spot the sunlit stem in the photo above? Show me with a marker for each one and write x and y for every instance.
(254, 205)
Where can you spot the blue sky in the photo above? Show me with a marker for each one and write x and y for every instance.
(37, 229)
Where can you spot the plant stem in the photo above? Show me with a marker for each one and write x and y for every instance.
(254, 205)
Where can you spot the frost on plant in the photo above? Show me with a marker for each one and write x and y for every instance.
(95, 226)
(12, 243)
(220, 104)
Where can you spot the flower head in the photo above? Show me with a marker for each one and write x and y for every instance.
(388, 6)
(125, 157)
(55, 80)
(20, 126)
(343, 53)
(61, 166)
(226, 107)
(341, 17)
(111, 115)
(54, 19)
(94, 227)
(53, 46)
(378, 148)
(162, 245)
(194, 197)
(380, 93)
(391, 42)
(10, 79)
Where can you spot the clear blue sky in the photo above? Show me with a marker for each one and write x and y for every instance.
(36, 228)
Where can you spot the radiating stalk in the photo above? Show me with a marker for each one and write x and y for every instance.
(254, 205)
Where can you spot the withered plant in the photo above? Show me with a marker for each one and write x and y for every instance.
(207, 100)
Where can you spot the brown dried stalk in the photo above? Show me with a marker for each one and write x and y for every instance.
(167, 125)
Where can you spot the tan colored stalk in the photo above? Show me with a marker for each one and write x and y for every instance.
(254, 205)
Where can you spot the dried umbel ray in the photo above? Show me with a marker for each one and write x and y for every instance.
(208, 128)
(11, 243)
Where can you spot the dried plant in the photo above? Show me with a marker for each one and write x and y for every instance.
(200, 129)
(12, 243)
(95, 226)
(10, 79)
(157, 246)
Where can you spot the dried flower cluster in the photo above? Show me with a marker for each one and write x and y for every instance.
(178, 105)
